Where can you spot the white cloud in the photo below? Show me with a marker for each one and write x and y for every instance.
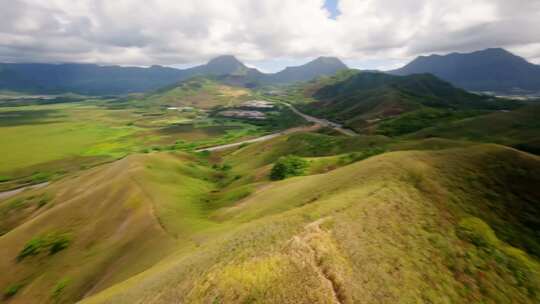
(144, 32)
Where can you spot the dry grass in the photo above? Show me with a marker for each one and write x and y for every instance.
(382, 230)
(122, 218)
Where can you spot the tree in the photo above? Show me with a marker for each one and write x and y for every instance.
(288, 166)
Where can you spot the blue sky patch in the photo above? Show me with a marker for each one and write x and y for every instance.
(332, 7)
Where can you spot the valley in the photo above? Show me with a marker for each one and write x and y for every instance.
(317, 184)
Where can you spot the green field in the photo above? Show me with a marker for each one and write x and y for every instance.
(49, 140)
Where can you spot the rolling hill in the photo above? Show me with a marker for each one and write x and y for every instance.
(456, 221)
(402, 226)
(519, 128)
(362, 100)
(200, 92)
(103, 232)
(495, 70)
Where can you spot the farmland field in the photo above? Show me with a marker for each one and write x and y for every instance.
(43, 141)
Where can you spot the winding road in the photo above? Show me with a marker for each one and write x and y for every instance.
(319, 122)
(322, 122)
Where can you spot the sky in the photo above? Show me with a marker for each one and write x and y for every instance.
(267, 34)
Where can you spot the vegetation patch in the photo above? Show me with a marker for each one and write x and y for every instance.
(19, 202)
(288, 166)
(477, 232)
(12, 290)
(52, 242)
(59, 289)
(492, 253)
(41, 177)
(312, 144)
(420, 119)
(360, 155)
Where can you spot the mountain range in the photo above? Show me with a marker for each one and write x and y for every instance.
(493, 69)
(94, 79)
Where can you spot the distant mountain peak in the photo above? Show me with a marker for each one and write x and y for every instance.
(96, 79)
(225, 60)
(328, 60)
(321, 66)
(325, 63)
(225, 65)
(492, 69)
(495, 50)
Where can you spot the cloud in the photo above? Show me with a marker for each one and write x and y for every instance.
(145, 32)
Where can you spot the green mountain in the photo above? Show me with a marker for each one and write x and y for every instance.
(495, 70)
(319, 67)
(322, 66)
(361, 100)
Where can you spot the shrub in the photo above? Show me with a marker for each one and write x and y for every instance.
(360, 155)
(40, 177)
(59, 288)
(32, 247)
(477, 232)
(12, 290)
(53, 242)
(44, 200)
(224, 167)
(58, 243)
(288, 166)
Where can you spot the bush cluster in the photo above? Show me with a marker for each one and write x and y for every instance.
(288, 166)
(52, 242)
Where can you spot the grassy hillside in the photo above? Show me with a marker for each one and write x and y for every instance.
(436, 219)
(364, 100)
(91, 234)
(519, 128)
(199, 92)
(405, 226)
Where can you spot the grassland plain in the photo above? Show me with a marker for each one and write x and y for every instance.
(52, 138)
(45, 141)
(398, 227)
